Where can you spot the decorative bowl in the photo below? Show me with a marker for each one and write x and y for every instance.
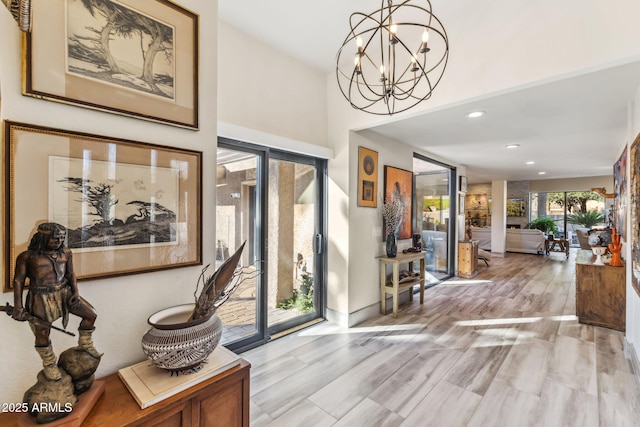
(176, 343)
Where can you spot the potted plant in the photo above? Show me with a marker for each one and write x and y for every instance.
(585, 219)
(546, 225)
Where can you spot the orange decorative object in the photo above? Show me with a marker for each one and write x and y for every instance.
(615, 247)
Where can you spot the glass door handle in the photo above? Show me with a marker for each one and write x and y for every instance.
(318, 244)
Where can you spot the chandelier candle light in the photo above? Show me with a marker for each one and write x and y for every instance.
(396, 54)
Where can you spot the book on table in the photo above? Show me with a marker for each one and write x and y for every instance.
(149, 384)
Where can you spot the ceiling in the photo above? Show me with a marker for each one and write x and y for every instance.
(570, 127)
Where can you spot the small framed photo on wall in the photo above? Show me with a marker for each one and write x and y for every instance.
(463, 183)
(367, 177)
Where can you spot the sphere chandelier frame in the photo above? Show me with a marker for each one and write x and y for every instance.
(393, 57)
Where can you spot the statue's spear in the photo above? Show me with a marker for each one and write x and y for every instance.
(35, 320)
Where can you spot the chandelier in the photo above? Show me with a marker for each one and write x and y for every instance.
(392, 58)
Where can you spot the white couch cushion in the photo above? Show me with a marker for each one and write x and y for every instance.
(518, 239)
(524, 240)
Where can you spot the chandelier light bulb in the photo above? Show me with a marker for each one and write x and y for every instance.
(359, 43)
(425, 36)
(414, 64)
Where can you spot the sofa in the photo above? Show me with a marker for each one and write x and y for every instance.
(518, 239)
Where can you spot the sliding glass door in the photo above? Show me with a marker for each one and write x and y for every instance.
(570, 210)
(435, 215)
(275, 202)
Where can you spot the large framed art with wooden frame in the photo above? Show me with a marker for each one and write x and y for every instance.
(398, 184)
(133, 57)
(129, 207)
(635, 214)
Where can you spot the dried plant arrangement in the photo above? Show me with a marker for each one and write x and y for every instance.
(217, 288)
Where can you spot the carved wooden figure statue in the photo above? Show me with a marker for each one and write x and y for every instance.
(47, 267)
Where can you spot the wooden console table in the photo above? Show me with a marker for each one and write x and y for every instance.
(222, 400)
(600, 295)
(394, 287)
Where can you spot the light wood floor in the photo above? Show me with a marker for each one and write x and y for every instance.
(503, 349)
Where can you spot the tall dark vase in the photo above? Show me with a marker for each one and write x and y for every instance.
(392, 246)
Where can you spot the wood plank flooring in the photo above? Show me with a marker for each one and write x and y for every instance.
(502, 349)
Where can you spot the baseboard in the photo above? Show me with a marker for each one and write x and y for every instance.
(337, 317)
(632, 357)
(366, 313)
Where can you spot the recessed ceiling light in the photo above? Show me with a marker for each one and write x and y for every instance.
(512, 145)
(530, 162)
(475, 114)
(542, 173)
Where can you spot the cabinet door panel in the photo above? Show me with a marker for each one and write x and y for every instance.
(179, 416)
(223, 408)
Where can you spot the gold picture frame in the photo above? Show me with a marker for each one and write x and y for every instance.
(128, 206)
(148, 72)
(367, 177)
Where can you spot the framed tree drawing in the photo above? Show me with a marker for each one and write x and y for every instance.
(130, 57)
(367, 177)
(128, 206)
(398, 185)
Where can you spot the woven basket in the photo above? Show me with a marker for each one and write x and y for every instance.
(174, 343)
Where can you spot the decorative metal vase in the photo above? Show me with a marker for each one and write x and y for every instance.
(176, 343)
(392, 246)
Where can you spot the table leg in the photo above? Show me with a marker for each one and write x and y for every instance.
(383, 282)
(422, 278)
(396, 279)
(411, 290)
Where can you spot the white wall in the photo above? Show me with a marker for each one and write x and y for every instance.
(365, 224)
(262, 89)
(124, 303)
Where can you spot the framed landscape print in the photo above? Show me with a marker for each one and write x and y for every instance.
(367, 177)
(398, 184)
(128, 206)
(133, 57)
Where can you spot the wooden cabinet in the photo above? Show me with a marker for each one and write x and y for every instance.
(468, 258)
(222, 400)
(600, 295)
